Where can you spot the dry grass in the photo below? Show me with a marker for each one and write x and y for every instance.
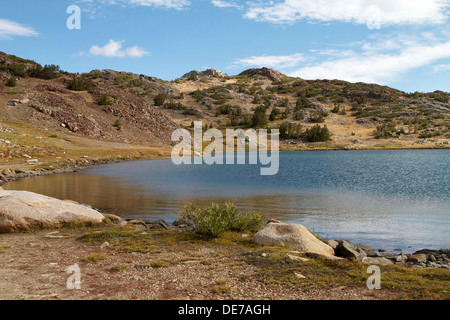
(275, 268)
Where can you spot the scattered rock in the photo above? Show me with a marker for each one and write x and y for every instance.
(113, 218)
(105, 245)
(332, 243)
(402, 258)
(54, 235)
(418, 258)
(346, 250)
(324, 256)
(211, 73)
(158, 225)
(13, 103)
(268, 73)
(299, 275)
(297, 258)
(377, 260)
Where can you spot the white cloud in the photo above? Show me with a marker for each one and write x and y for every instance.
(375, 66)
(170, 4)
(9, 29)
(271, 61)
(167, 4)
(382, 60)
(386, 12)
(225, 4)
(114, 49)
(441, 68)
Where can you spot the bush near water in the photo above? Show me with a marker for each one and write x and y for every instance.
(214, 220)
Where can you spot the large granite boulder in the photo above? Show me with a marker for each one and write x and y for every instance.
(294, 236)
(26, 211)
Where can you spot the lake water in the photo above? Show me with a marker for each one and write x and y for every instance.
(384, 199)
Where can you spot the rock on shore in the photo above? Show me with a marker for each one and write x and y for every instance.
(294, 236)
(26, 211)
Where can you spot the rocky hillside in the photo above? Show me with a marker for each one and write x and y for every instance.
(318, 114)
(99, 110)
(111, 106)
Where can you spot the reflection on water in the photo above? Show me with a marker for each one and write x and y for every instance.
(365, 197)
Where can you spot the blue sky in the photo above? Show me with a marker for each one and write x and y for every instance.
(404, 44)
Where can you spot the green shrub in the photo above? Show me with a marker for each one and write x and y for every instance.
(385, 131)
(17, 70)
(80, 83)
(317, 117)
(174, 105)
(290, 131)
(259, 118)
(47, 72)
(118, 125)
(317, 134)
(214, 220)
(104, 101)
(11, 82)
(190, 112)
(160, 99)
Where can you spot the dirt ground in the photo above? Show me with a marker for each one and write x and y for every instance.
(33, 266)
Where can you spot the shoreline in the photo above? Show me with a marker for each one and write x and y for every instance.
(16, 172)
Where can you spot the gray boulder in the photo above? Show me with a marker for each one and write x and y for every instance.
(26, 211)
(418, 258)
(294, 236)
(377, 260)
(346, 250)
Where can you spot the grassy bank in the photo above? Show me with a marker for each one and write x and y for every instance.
(274, 266)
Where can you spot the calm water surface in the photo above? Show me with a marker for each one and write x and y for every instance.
(384, 199)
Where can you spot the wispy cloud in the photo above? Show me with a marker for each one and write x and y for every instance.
(9, 29)
(168, 4)
(226, 4)
(376, 67)
(441, 68)
(382, 60)
(271, 61)
(393, 12)
(113, 49)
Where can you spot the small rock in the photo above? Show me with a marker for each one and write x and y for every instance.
(297, 258)
(115, 219)
(13, 103)
(323, 256)
(332, 243)
(402, 258)
(379, 260)
(299, 275)
(346, 250)
(418, 258)
(105, 245)
(53, 235)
